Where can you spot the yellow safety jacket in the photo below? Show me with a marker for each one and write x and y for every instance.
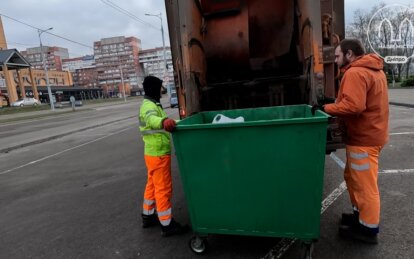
(157, 141)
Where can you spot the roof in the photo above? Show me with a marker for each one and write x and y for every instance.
(13, 59)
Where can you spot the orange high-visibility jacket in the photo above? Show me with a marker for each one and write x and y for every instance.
(362, 102)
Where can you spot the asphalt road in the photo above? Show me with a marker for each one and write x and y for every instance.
(79, 194)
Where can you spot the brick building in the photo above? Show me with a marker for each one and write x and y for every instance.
(53, 56)
(114, 54)
(86, 77)
(83, 70)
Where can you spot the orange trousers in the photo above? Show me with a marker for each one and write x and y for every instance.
(158, 190)
(361, 176)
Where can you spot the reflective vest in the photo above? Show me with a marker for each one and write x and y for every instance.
(157, 141)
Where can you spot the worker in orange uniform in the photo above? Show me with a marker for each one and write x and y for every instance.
(362, 104)
(155, 127)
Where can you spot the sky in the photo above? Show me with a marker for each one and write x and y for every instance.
(86, 21)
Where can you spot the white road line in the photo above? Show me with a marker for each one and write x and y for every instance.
(90, 135)
(397, 171)
(283, 246)
(285, 243)
(36, 119)
(401, 133)
(63, 151)
(69, 149)
(337, 160)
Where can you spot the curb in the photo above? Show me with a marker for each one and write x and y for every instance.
(37, 116)
(60, 112)
(402, 104)
(38, 141)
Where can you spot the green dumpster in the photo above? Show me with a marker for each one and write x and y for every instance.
(260, 177)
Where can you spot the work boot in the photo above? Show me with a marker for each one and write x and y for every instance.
(149, 220)
(349, 219)
(174, 228)
(359, 233)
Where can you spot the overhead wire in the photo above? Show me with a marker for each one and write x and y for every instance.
(58, 36)
(107, 2)
(131, 15)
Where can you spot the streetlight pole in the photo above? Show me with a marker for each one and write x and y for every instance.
(163, 41)
(122, 82)
(49, 91)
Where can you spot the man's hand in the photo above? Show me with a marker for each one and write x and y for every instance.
(317, 107)
(169, 125)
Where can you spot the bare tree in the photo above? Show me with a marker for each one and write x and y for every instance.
(387, 32)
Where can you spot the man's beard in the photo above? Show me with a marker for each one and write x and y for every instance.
(345, 62)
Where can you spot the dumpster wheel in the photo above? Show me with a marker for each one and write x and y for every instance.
(198, 245)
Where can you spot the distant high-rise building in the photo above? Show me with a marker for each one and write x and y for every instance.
(53, 56)
(83, 71)
(71, 64)
(114, 54)
(152, 61)
(86, 77)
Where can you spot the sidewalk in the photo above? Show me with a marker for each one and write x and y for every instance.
(401, 96)
(397, 96)
(58, 111)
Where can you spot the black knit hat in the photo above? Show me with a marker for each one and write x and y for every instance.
(152, 87)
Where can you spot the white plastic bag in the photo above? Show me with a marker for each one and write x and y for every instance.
(220, 118)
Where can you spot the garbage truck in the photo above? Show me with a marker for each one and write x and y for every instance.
(233, 54)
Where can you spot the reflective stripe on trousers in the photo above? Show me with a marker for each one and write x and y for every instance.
(361, 176)
(159, 187)
(165, 217)
(148, 207)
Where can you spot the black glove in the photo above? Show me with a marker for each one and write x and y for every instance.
(327, 100)
(317, 107)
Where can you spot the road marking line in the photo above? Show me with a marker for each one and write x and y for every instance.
(64, 151)
(283, 245)
(397, 171)
(340, 163)
(43, 140)
(69, 149)
(63, 115)
(90, 135)
(401, 133)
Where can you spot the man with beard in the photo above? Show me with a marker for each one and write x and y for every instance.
(362, 105)
(155, 127)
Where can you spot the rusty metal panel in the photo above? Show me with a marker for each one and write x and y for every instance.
(328, 54)
(339, 18)
(172, 10)
(184, 23)
(210, 7)
(271, 25)
(226, 44)
(335, 9)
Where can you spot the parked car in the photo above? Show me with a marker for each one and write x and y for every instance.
(25, 102)
(173, 100)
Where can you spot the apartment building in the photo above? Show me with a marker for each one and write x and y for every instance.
(116, 57)
(83, 70)
(53, 57)
(86, 77)
(152, 62)
(72, 64)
